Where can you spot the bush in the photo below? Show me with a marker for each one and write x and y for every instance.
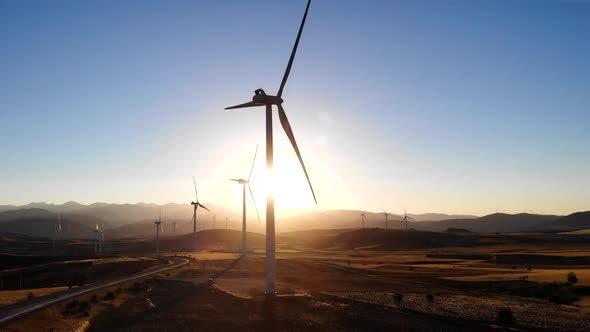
(505, 317)
(397, 298)
(94, 299)
(72, 304)
(572, 278)
(110, 296)
(429, 298)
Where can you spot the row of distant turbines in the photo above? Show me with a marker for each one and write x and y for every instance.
(404, 221)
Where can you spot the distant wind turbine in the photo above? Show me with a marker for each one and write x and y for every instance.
(262, 99)
(244, 183)
(406, 218)
(159, 228)
(386, 222)
(195, 207)
(101, 239)
(363, 218)
(96, 239)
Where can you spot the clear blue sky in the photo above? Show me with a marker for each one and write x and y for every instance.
(446, 106)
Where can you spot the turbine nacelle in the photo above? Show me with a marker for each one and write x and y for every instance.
(260, 97)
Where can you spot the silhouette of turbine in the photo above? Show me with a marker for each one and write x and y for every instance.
(244, 183)
(363, 218)
(159, 228)
(386, 221)
(262, 99)
(406, 218)
(195, 207)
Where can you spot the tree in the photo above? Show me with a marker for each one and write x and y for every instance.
(429, 298)
(572, 278)
(397, 298)
(505, 317)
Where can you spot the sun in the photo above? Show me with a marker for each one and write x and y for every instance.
(289, 184)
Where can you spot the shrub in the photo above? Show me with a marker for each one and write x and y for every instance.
(429, 298)
(110, 296)
(514, 267)
(397, 298)
(72, 304)
(572, 278)
(505, 317)
(94, 299)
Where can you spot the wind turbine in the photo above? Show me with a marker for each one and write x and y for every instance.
(363, 218)
(57, 229)
(262, 99)
(195, 207)
(244, 183)
(101, 239)
(159, 228)
(406, 218)
(96, 239)
(386, 215)
(174, 229)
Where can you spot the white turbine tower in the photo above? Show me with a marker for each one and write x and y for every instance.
(262, 99)
(245, 183)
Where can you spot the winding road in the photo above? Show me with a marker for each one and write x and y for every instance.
(22, 308)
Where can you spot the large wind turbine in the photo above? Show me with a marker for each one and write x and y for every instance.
(406, 218)
(363, 218)
(195, 207)
(262, 99)
(244, 183)
(386, 215)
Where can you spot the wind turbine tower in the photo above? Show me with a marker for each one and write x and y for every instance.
(406, 218)
(245, 183)
(260, 98)
(363, 218)
(386, 220)
(158, 228)
(195, 207)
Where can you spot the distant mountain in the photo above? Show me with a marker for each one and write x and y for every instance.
(42, 223)
(497, 222)
(572, 222)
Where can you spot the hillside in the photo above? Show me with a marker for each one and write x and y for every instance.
(572, 222)
(497, 222)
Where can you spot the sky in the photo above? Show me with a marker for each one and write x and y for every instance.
(464, 107)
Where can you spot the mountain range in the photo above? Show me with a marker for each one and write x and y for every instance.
(136, 220)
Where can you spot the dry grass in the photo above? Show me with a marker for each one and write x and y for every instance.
(8, 297)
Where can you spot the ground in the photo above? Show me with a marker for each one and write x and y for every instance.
(338, 290)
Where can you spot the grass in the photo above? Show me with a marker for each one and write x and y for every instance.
(13, 296)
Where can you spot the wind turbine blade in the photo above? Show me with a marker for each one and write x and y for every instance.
(244, 105)
(411, 218)
(253, 161)
(288, 70)
(201, 205)
(253, 200)
(237, 180)
(196, 194)
(289, 132)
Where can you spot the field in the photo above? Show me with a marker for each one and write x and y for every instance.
(323, 287)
